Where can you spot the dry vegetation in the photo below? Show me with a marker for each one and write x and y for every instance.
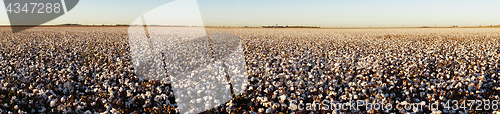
(88, 69)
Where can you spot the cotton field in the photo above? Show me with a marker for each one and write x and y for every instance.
(90, 70)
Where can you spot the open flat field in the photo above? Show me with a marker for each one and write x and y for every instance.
(89, 69)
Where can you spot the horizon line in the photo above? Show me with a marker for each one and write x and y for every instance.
(123, 25)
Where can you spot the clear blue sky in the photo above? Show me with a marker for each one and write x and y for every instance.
(324, 13)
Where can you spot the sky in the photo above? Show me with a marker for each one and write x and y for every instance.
(323, 13)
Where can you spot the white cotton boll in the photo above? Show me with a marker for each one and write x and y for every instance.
(87, 112)
(114, 111)
(199, 100)
(158, 89)
(143, 96)
(129, 93)
(53, 103)
(148, 94)
(79, 107)
(268, 111)
(63, 99)
(404, 103)
(157, 98)
(216, 101)
(282, 98)
(21, 112)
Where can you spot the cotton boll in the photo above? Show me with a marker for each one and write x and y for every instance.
(53, 103)
(303, 64)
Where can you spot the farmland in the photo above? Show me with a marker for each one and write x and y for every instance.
(89, 69)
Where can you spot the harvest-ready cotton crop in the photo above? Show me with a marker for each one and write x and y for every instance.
(89, 70)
